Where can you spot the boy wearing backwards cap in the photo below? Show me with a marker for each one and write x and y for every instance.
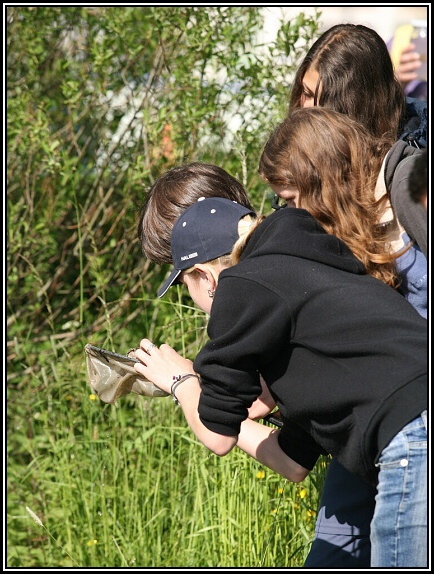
(342, 354)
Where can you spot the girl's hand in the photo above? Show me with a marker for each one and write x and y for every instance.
(161, 365)
(263, 405)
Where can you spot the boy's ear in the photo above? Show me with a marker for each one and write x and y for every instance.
(207, 273)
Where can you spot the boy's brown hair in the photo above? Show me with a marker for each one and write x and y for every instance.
(170, 196)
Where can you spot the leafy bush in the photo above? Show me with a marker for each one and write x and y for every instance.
(101, 101)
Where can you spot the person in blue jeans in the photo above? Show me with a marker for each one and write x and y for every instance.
(373, 96)
(355, 206)
(341, 353)
(399, 516)
(338, 73)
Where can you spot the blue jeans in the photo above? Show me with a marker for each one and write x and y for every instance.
(399, 536)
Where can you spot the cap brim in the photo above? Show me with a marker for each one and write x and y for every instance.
(169, 282)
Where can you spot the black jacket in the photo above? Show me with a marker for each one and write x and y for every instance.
(344, 355)
(415, 130)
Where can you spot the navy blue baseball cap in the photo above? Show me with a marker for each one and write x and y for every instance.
(206, 230)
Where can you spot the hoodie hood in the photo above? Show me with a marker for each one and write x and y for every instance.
(293, 231)
(397, 155)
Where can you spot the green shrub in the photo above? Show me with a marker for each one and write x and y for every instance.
(101, 101)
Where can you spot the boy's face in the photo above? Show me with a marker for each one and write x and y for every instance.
(202, 283)
(198, 290)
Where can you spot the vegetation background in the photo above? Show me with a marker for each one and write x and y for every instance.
(100, 102)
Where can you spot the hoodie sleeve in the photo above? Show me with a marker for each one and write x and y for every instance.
(412, 216)
(299, 445)
(247, 325)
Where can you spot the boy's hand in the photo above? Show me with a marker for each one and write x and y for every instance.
(161, 364)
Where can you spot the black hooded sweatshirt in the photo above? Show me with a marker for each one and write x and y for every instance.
(343, 354)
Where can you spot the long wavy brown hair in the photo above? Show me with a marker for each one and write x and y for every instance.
(356, 78)
(334, 163)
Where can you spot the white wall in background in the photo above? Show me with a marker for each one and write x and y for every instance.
(383, 19)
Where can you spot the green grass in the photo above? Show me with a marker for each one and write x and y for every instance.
(128, 485)
(95, 485)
